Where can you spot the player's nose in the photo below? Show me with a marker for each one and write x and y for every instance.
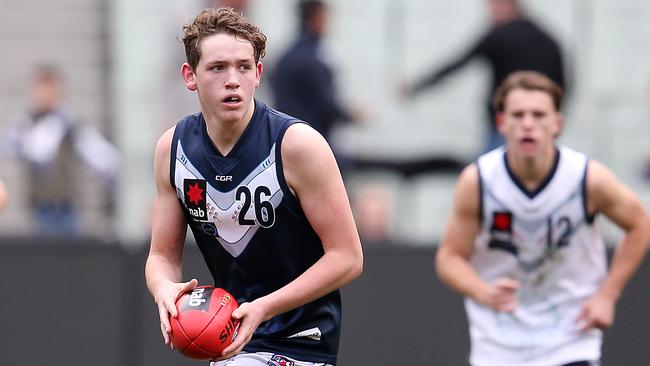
(231, 80)
(528, 121)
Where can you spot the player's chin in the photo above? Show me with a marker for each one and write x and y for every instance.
(528, 148)
(231, 116)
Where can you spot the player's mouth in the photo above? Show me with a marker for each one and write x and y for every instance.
(232, 100)
(527, 142)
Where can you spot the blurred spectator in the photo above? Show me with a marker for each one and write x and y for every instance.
(303, 82)
(52, 141)
(512, 43)
(373, 213)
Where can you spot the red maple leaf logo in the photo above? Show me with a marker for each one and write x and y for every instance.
(195, 194)
(502, 221)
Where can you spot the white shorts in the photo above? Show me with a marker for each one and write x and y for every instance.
(264, 359)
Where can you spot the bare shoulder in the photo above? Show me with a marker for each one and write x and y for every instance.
(467, 194)
(468, 178)
(304, 148)
(308, 161)
(598, 173)
(162, 157)
(301, 141)
(464, 219)
(610, 196)
(601, 183)
(164, 144)
(605, 190)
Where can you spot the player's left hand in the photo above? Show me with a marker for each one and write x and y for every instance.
(250, 315)
(165, 297)
(597, 312)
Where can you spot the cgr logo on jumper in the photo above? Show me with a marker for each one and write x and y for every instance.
(195, 198)
(223, 178)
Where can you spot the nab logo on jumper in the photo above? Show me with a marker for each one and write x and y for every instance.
(195, 198)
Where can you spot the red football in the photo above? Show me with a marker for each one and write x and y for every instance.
(204, 327)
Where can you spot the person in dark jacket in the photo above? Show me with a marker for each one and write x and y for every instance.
(303, 83)
(512, 43)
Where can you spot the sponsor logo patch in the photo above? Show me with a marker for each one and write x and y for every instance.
(199, 299)
(210, 229)
(195, 194)
(223, 178)
(502, 221)
(279, 360)
(312, 333)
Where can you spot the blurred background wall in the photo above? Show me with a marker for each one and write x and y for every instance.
(120, 61)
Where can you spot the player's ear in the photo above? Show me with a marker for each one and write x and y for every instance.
(189, 77)
(559, 124)
(259, 70)
(499, 121)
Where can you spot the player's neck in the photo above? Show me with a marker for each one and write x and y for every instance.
(225, 134)
(532, 171)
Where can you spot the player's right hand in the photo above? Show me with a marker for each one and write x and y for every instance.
(250, 315)
(501, 295)
(166, 300)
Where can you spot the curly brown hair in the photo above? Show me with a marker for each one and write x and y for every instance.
(217, 21)
(527, 80)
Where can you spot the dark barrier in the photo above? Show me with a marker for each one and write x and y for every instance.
(62, 304)
(86, 304)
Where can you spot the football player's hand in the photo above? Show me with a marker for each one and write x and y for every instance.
(166, 300)
(597, 312)
(501, 295)
(250, 315)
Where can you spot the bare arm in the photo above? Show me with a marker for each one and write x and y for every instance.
(606, 194)
(311, 172)
(452, 264)
(163, 268)
(453, 65)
